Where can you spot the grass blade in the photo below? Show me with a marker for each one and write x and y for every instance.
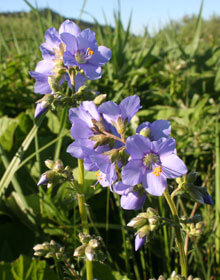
(10, 171)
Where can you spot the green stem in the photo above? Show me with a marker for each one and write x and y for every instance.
(180, 244)
(83, 214)
(40, 150)
(37, 154)
(123, 223)
(165, 238)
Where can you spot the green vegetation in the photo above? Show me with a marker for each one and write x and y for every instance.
(176, 73)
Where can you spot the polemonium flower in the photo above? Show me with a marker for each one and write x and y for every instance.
(82, 51)
(106, 180)
(155, 130)
(131, 198)
(82, 123)
(107, 174)
(152, 163)
(40, 109)
(125, 110)
(207, 199)
(139, 241)
(53, 47)
(43, 71)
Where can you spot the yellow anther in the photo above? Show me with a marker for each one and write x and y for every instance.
(98, 175)
(157, 171)
(90, 51)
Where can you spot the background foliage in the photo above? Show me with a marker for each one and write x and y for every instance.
(176, 73)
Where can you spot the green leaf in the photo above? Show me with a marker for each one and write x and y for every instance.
(191, 49)
(7, 128)
(103, 271)
(26, 268)
(25, 122)
(53, 122)
(12, 168)
(217, 80)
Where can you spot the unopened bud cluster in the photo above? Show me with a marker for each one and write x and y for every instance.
(192, 227)
(175, 276)
(48, 250)
(90, 247)
(56, 173)
(145, 222)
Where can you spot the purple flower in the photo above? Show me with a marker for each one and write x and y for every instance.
(207, 199)
(82, 122)
(82, 51)
(106, 180)
(107, 169)
(40, 109)
(125, 110)
(155, 130)
(139, 242)
(131, 198)
(151, 163)
(43, 70)
(54, 48)
(43, 180)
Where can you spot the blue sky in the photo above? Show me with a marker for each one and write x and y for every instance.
(151, 13)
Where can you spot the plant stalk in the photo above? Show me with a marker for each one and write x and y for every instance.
(180, 244)
(83, 214)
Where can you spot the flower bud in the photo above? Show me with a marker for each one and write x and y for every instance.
(40, 109)
(151, 212)
(173, 275)
(90, 253)
(43, 180)
(80, 251)
(137, 222)
(50, 185)
(99, 99)
(143, 231)
(58, 166)
(49, 163)
(49, 255)
(59, 256)
(93, 243)
(39, 253)
(38, 247)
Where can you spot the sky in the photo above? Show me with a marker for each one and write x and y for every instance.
(151, 13)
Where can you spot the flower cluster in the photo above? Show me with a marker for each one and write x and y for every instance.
(131, 166)
(67, 54)
(90, 247)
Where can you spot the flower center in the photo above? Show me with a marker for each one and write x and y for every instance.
(157, 171)
(98, 175)
(83, 55)
(59, 52)
(151, 159)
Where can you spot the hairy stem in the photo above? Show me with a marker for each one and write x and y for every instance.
(180, 244)
(83, 214)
